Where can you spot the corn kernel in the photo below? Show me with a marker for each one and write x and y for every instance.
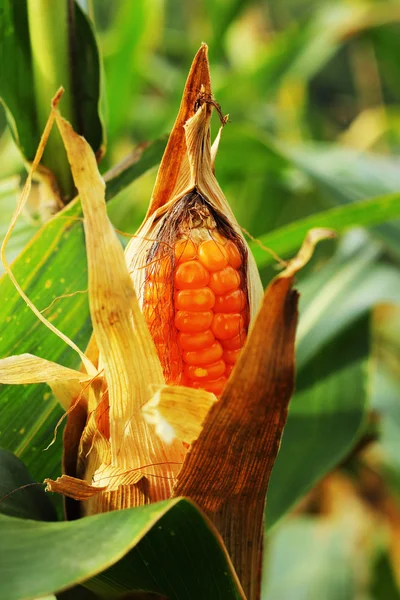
(204, 356)
(191, 275)
(193, 322)
(224, 281)
(227, 326)
(197, 341)
(231, 356)
(216, 386)
(198, 299)
(213, 255)
(210, 313)
(236, 342)
(228, 370)
(185, 250)
(234, 258)
(234, 302)
(205, 372)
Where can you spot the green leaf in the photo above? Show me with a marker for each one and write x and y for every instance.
(86, 69)
(30, 502)
(16, 79)
(346, 288)
(133, 167)
(24, 103)
(328, 407)
(134, 31)
(52, 265)
(367, 213)
(385, 402)
(325, 417)
(179, 557)
(384, 585)
(300, 557)
(348, 176)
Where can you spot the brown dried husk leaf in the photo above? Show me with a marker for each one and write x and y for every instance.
(173, 174)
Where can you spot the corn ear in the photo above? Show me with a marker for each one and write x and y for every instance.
(187, 166)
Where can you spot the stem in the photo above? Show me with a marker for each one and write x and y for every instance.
(49, 33)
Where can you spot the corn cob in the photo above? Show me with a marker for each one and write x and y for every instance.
(195, 295)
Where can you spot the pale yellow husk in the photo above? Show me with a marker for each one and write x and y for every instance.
(27, 368)
(178, 413)
(127, 353)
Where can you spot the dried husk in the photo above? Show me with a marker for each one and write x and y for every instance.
(177, 414)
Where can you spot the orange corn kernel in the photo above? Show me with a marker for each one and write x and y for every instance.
(236, 342)
(234, 258)
(227, 326)
(216, 386)
(185, 250)
(197, 310)
(213, 255)
(193, 322)
(190, 341)
(205, 372)
(224, 281)
(203, 357)
(234, 302)
(191, 275)
(231, 356)
(198, 299)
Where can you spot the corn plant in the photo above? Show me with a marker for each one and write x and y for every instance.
(167, 365)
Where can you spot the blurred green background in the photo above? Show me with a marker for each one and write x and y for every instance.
(312, 90)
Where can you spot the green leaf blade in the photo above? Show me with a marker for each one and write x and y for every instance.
(180, 555)
(366, 213)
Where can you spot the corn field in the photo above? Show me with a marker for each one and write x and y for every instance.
(199, 300)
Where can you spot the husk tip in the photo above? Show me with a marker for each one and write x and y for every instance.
(57, 97)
